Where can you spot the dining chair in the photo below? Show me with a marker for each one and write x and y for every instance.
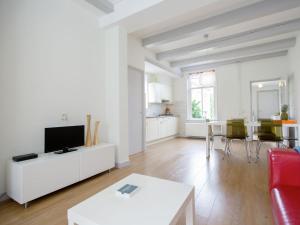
(213, 133)
(268, 131)
(236, 130)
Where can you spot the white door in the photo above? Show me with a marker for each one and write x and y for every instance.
(135, 110)
(267, 103)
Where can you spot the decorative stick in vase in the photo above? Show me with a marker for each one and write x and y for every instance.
(88, 140)
(96, 136)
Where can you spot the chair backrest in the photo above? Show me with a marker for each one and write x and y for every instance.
(277, 130)
(265, 126)
(236, 129)
(269, 129)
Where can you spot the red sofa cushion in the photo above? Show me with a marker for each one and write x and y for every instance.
(286, 205)
(284, 168)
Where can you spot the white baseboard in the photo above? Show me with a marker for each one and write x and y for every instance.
(196, 137)
(122, 164)
(3, 197)
(161, 140)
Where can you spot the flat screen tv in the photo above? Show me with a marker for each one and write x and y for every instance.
(58, 138)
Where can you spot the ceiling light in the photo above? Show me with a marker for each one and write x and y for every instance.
(260, 85)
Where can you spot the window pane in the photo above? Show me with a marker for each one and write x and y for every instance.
(208, 103)
(195, 80)
(196, 97)
(203, 79)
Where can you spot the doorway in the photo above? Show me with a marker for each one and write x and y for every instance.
(267, 103)
(136, 110)
(267, 97)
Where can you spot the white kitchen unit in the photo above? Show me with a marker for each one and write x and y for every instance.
(154, 93)
(152, 126)
(31, 179)
(161, 127)
(158, 92)
(166, 93)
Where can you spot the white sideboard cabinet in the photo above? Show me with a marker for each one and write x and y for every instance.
(31, 179)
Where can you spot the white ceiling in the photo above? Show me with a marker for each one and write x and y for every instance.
(165, 15)
(203, 11)
(223, 32)
(115, 1)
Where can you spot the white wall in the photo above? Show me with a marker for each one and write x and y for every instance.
(51, 62)
(266, 69)
(228, 96)
(233, 87)
(180, 102)
(233, 84)
(294, 66)
(137, 55)
(117, 92)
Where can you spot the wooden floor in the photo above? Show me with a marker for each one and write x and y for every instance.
(228, 192)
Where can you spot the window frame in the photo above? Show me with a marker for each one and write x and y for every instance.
(189, 99)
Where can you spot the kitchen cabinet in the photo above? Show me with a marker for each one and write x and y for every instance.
(152, 129)
(173, 127)
(154, 93)
(166, 93)
(161, 127)
(158, 92)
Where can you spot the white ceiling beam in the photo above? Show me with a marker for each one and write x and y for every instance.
(199, 68)
(235, 39)
(242, 52)
(247, 13)
(104, 5)
(171, 72)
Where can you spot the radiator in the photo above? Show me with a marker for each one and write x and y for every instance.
(195, 129)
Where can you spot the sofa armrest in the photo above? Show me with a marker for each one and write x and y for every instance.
(284, 168)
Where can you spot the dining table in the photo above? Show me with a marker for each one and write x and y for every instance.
(250, 128)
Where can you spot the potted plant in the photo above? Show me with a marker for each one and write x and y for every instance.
(284, 115)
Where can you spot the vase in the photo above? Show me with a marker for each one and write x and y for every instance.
(96, 135)
(284, 116)
(88, 139)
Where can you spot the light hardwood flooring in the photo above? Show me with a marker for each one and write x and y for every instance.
(228, 192)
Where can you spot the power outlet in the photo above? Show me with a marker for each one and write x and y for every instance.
(64, 117)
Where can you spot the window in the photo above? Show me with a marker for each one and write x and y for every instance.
(201, 96)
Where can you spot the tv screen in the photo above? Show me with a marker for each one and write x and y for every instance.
(57, 138)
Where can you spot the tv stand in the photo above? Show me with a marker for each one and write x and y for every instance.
(31, 179)
(66, 150)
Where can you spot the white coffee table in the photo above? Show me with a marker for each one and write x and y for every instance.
(157, 202)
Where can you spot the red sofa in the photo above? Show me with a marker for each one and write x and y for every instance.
(284, 186)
